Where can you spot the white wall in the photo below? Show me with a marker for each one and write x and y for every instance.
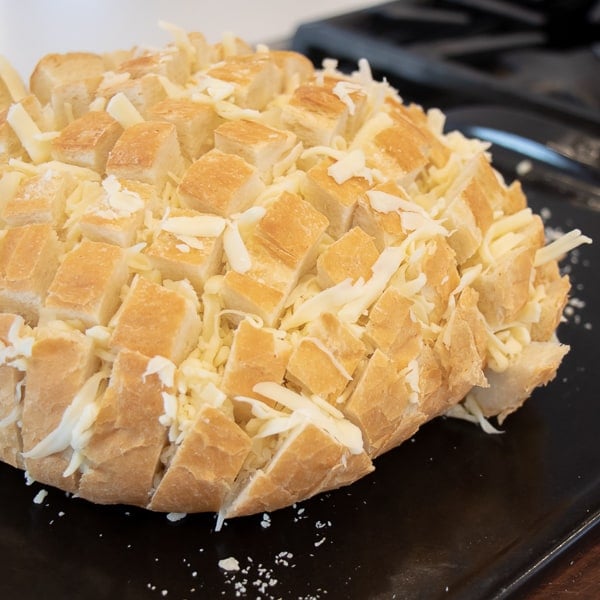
(31, 28)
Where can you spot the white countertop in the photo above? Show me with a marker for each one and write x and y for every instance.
(31, 28)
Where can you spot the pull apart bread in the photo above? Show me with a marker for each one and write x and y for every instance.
(229, 280)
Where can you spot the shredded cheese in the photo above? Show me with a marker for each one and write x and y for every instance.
(469, 410)
(121, 200)
(19, 347)
(121, 109)
(12, 417)
(492, 245)
(9, 184)
(352, 164)
(302, 407)
(346, 299)
(249, 217)
(164, 368)
(75, 421)
(200, 226)
(181, 38)
(235, 249)
(412, 215)
(373, 126)
(343, 89)
(556, 249)
(29, 133)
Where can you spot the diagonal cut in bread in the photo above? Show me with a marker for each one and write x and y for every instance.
(229, 280)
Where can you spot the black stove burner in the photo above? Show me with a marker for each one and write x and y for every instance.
(532, 54)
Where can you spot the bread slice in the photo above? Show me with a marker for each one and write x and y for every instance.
(220, 183)
(204, 467)
(230, 280)
(256, 355)
(255, 78)
(88, 295)
(148, 152)
(180, 256)
(60, 364)
(300, 468)
(28, 260)
(114, 212)
(156, 321)
(257, 144)
(195, 123)
(87, 141)
(128, 437)
(58, 69)
(534, 366)
(351, 256)
(336, 200)
(39, 199)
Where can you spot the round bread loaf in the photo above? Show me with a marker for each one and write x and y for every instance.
(229, 280)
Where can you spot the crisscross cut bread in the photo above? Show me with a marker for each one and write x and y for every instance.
(229, 280)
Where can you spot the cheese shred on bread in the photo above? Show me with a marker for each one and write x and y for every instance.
(230, 280)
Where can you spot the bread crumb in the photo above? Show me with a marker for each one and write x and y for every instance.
(40, 497)
(524, 167)
(266, 521)
(174, 516)
(229, 564)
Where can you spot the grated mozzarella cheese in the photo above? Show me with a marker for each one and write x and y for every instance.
(343, 89)
(201, 226)
(505, 226)
(121, 200)
(249, 217)
(28, 133)
(12, 417)
(346, 299)
(365, 293)
(470, 411)
(342, 430)
(412, 215)
(235, 249)
(373, 126)
(172, 90)
(180, 36)
(19, 347)
(556, 249)
(352, 164)
(163, 367)
(121, 109)
(76, 420)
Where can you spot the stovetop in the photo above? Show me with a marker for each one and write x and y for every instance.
(522, 75)
(541, 55)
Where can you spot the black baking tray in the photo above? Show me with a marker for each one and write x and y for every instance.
(454, 513)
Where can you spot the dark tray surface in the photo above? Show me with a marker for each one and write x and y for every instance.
(453, 513)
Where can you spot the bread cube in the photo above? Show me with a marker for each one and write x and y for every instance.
(148, 152)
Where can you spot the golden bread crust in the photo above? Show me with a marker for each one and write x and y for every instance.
(229, 280)
(201, 474)
(128, 438)
(87, 141)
